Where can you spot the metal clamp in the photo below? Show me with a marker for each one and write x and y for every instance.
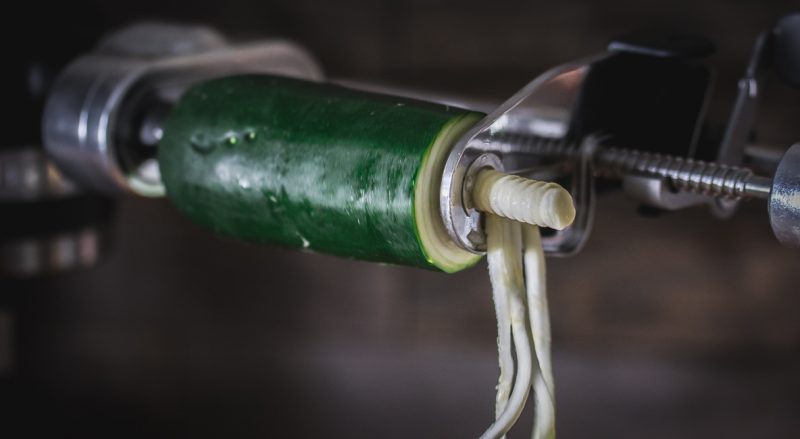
(542, 109)
(97, 115)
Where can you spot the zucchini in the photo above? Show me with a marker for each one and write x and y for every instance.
(316, 166)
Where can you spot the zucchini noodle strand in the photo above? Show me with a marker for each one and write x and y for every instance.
(505, 271)
(535, 282)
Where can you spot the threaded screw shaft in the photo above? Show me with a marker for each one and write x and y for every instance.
(707, 178)
(696, 176)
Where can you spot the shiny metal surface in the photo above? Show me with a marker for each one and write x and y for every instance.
(737, 132)
(482, 105)
(693, 176)
(657, 191)
(530, 128)
(686, 177)
(571, 240)
(92, 116)
(757, 186)
(666, 182)
(784, 200)
(741, 122)
(543, 108)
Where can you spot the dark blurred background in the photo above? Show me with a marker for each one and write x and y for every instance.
(675, 326)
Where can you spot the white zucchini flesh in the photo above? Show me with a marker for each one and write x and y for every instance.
(504, 254)
(535, 284)
(517, 273)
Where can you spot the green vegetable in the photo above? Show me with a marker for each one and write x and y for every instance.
(317, 166)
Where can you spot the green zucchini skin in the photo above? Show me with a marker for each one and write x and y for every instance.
(302, 164)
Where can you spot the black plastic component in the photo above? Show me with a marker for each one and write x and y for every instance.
(664, 45)
(786, 49)
(651, 103)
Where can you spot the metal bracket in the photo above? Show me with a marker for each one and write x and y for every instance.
(733, 145)
(541, 110)
(571, 240)
(657, 191)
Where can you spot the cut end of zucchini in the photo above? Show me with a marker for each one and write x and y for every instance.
(439, 248)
